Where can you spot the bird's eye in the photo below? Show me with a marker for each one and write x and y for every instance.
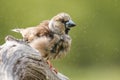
(64, 21)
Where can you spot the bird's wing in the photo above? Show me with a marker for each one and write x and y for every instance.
(42, 29)
(31, 33)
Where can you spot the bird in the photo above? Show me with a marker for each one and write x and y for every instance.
(51, 37)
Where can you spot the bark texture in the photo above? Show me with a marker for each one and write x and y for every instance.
(18, 61)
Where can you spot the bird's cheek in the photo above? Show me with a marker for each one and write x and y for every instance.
(62, 27)
(59, 25)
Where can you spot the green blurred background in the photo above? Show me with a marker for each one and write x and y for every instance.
(95, 51)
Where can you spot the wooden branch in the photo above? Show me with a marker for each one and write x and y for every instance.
(18, 61)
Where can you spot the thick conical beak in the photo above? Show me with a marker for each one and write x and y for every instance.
(70, 23)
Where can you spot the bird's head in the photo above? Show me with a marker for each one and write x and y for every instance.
(61, 23)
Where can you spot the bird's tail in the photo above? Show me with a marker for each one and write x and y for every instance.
(17, 30)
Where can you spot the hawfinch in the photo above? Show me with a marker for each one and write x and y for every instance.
(50, 37)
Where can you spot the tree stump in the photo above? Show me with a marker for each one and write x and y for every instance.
(19, 61)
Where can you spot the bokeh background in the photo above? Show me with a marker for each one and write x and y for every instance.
(95, 51)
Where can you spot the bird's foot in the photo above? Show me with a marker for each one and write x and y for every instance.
(51, 67)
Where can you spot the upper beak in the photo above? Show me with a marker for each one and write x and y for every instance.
(70, 23)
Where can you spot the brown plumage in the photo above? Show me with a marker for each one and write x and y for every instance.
(50, 37)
